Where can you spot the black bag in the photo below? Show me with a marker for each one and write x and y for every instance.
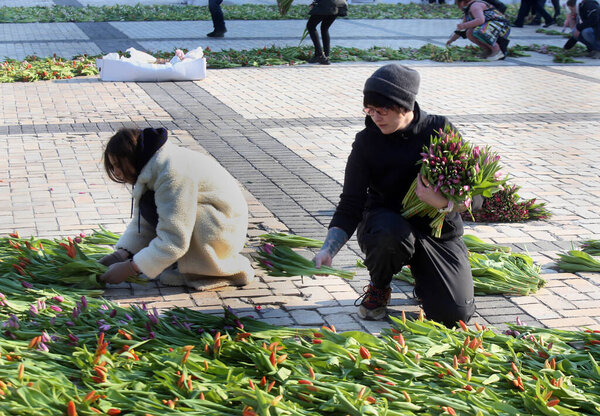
(497, 4)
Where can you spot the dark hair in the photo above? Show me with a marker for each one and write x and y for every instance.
(121, 146)
(381, 101)
(571, 3)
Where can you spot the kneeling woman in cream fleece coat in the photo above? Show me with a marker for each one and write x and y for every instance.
(190, 217)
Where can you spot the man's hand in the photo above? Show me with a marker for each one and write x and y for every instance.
(426, 193)
(118, 272)
(323, 258)
(115, 257)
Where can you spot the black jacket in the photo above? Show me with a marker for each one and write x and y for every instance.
(589, 13)
(329, 8)
(380, 170)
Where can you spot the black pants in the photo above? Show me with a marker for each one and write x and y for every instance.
(441, 268)
(311, 27)
(216, 13)
(526, 7)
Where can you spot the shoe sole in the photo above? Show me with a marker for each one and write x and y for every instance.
(365, 314)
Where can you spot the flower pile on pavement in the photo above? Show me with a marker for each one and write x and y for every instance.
(506, 206)
(65, 350)
(495, 270)
(34, 68)
(584, 260)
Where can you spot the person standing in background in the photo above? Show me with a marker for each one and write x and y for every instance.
(214, 6)
(324, 12)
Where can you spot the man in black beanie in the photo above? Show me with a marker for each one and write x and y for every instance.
(379, 172)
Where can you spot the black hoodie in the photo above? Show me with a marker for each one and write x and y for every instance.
(381, 168)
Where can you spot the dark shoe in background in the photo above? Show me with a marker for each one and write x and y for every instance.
(534, 23)
(503, 43)
(315, 59)
(324, 60)
(570, 43)
(550, 23)
(593, 54)
(216, 34)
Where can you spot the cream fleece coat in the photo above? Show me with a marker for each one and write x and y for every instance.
(203, 217)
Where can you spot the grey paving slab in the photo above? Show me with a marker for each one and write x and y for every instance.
(41, 32)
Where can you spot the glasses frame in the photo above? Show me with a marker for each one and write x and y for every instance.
(381, 112)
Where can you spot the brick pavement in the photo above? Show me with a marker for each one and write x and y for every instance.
(285, 134)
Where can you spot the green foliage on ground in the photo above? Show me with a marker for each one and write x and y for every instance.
(232, 12)
(34, 68)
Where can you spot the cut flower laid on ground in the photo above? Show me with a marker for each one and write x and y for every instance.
(82, 355)
(458, 170)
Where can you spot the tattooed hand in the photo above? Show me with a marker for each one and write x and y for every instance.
(336, 238)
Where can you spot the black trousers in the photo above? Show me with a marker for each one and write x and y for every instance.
(311, 26)
(441, 268)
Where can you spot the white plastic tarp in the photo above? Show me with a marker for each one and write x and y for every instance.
(140, 67)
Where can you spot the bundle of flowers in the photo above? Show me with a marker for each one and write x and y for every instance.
(77, 354)
(283, 261)
(591, 247)
(495, 270)
(578, 261)
(290, 240)
(506, 206)
(458, 170)
(71, 261)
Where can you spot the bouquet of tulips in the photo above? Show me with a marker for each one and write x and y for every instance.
(458, 170)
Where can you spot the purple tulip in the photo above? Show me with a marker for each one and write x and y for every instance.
(26, 285)
(104, 327)
(43, 347)
(69, 323)
(84, 303)
(113, 313)
(519, 322)
(10, 334)
(268, 248)
(33, 311)
(73, 338)
(128, 317)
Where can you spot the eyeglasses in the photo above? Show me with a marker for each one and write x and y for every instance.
(381, 112)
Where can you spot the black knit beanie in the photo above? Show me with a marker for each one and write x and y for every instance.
(396, 82)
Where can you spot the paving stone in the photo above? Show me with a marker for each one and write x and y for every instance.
(303, 317)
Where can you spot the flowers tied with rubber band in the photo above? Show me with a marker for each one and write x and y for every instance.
(458, 170)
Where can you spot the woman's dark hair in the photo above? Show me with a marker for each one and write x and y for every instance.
(571, 3)
(122, 147)
(381, 101)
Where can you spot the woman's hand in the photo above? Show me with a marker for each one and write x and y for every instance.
(115, 257)
(118, 272)
(426, 193)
